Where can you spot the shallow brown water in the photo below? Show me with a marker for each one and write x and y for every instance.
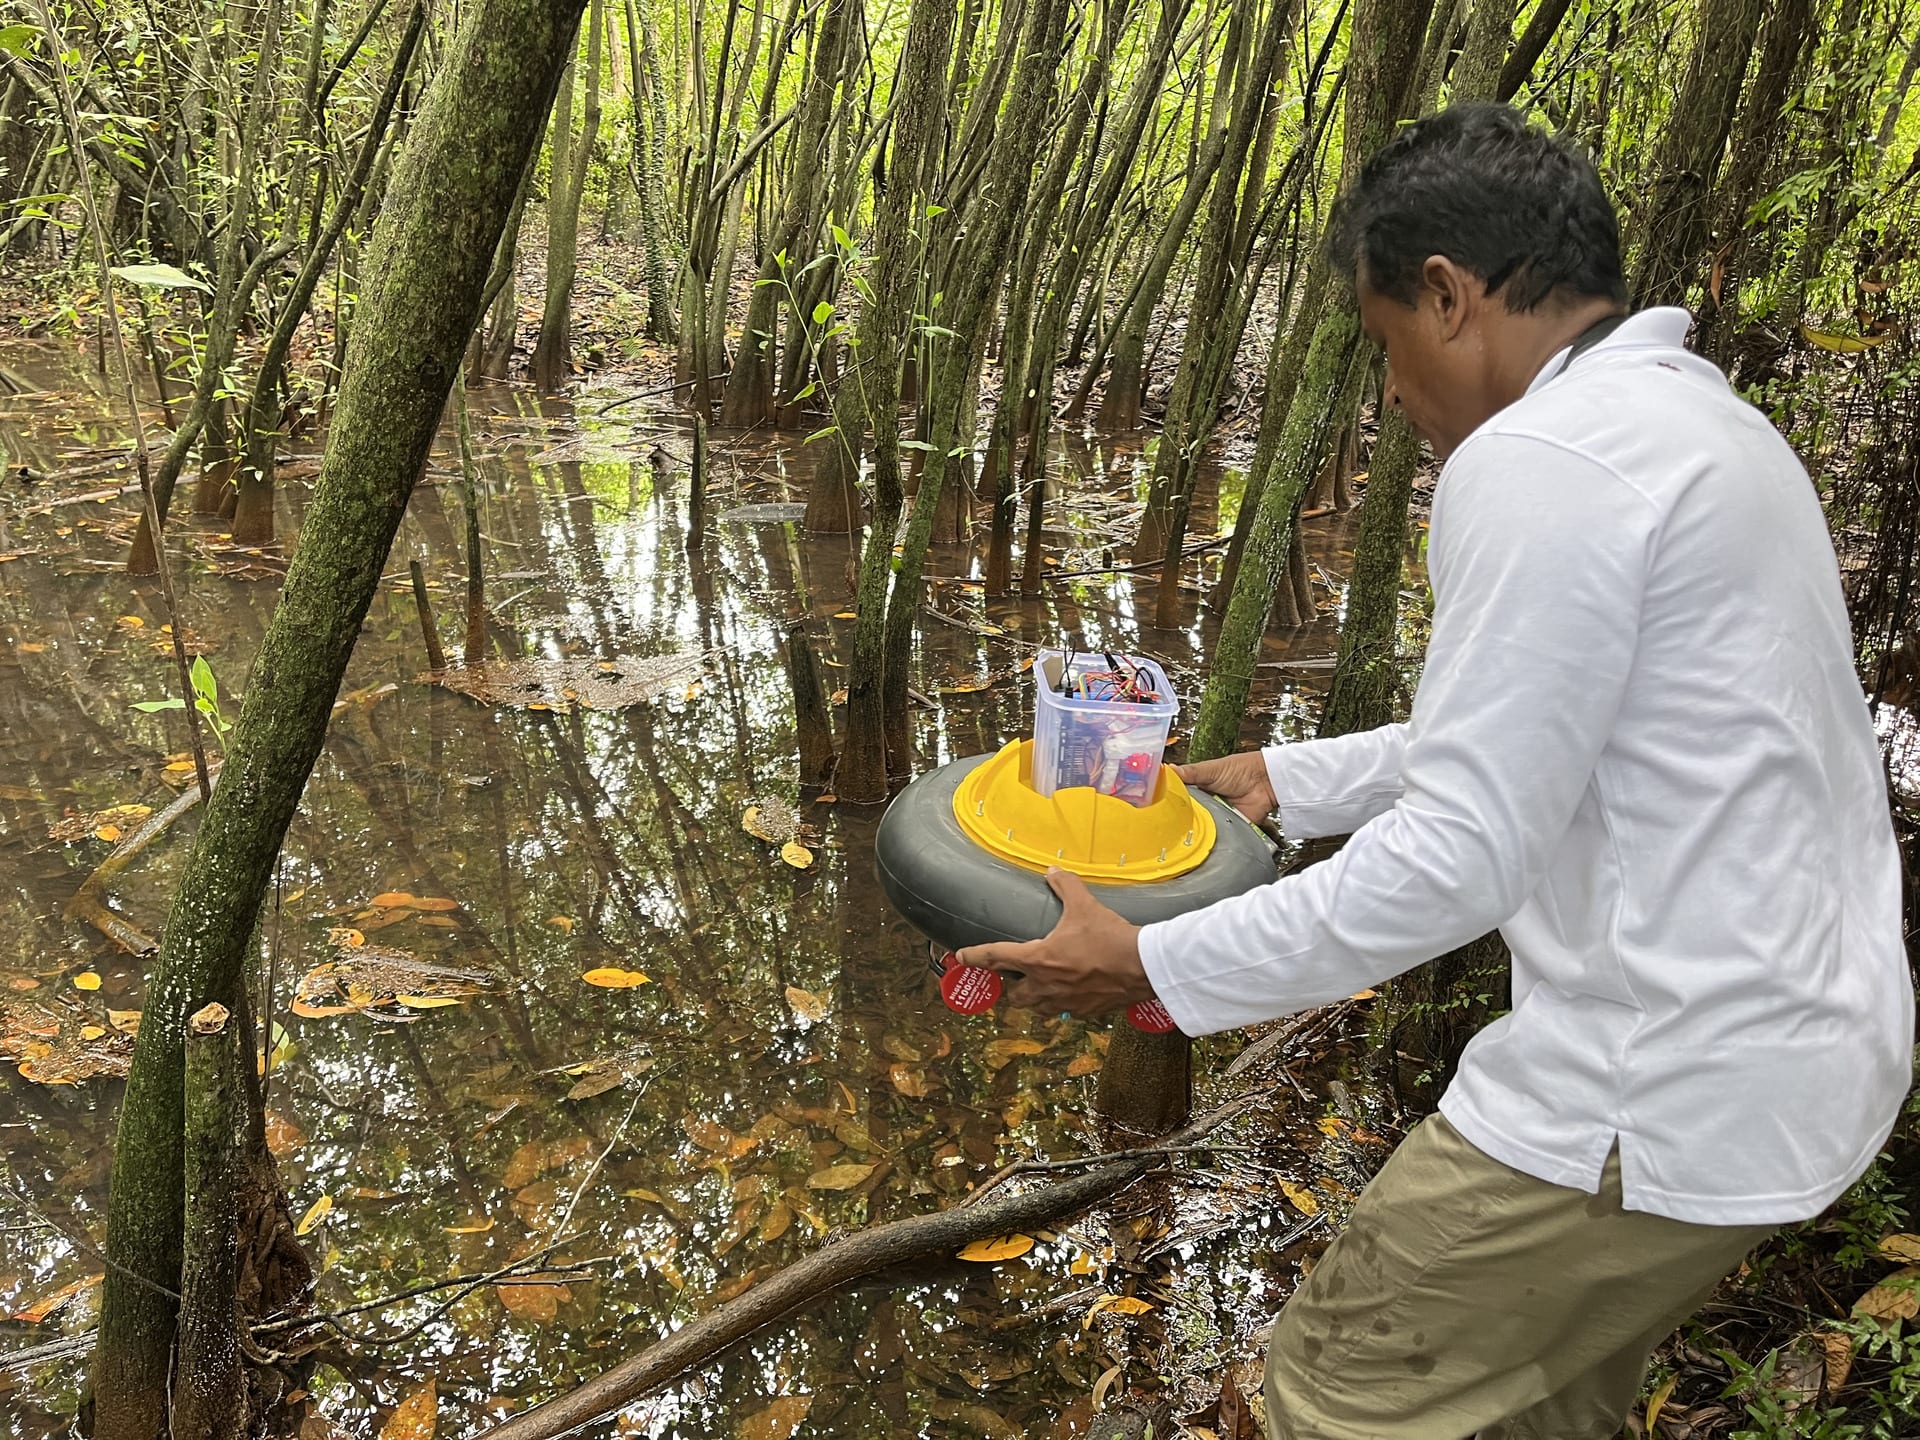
(788, 1031)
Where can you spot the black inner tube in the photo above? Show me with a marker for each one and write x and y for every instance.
(958, 894)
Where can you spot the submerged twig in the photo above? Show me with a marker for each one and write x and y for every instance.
(89, 902)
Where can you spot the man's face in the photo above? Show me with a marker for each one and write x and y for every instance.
(1435, 354)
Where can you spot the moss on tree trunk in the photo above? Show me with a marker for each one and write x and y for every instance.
(433, 246)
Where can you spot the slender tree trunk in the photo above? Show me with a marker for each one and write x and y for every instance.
(553, 353)
(253, 508)
(1383, 62)
(1671, 223)
(433, 247)
(885, 338)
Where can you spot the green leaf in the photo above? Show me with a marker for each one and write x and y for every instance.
(939, 330)
(821, 312)
(148, 707)
(17, 39)
(916, 445)
(933, 210)
(201, 674)
(161, 277)
(821, 433)
(842, 239)
(806, 390)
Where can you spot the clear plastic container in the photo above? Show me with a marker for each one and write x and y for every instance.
(1084, 734)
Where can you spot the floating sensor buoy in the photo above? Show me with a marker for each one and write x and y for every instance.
(963, 851)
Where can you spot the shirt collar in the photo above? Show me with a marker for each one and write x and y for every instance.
(1663, 327)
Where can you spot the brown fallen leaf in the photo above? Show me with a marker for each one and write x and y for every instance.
(537, 1302)
(807, 1005)
(46, 1305)
(416, 1417)
(999, 1052)
(1893, 1299)
(1839, 1358)
(839, 1177)
(779, 1420)
(283, 1136)
(1905, 1248)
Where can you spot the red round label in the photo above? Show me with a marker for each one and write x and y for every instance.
(971, 990)
(1150, 1016)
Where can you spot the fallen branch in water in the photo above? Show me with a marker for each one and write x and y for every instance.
(89, 902)
(838, 1264)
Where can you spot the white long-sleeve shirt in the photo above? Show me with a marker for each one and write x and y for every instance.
(1639, 749)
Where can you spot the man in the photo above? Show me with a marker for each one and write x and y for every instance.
(1638, 748)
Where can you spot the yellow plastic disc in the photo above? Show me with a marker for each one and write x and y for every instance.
(1097, 837)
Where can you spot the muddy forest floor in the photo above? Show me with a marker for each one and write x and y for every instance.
(542, 1000)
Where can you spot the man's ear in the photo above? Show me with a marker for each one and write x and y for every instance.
(1453, 293)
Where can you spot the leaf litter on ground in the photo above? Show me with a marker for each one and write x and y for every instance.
(381, 982)
(573, 681)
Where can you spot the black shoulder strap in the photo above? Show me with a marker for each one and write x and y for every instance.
(1588, 338)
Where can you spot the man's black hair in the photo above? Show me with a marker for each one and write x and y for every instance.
(1516, 206)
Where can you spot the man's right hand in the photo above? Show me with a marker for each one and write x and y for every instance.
(1240, 780)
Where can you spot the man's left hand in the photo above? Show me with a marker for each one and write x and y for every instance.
(1087, 965)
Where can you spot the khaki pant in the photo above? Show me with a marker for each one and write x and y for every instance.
(1467, 1298)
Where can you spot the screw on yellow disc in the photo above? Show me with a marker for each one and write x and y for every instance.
(1097, 837)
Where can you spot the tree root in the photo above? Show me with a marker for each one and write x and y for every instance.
(838, 1264)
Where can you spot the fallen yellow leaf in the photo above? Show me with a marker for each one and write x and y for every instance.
(750, 822)
(393, 900)
(92, 1032)
(612, 977)
(1658, 1401)
(346, 935)
(109, 833)
(1118, 1304)
(86, 980)
(998, 1247)
(796, 855)
(562, 923)
(133, 622)
(1082, 1065)
(316, 1212)
(471, 1227)
(427, 1002)
(1303, 1199)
